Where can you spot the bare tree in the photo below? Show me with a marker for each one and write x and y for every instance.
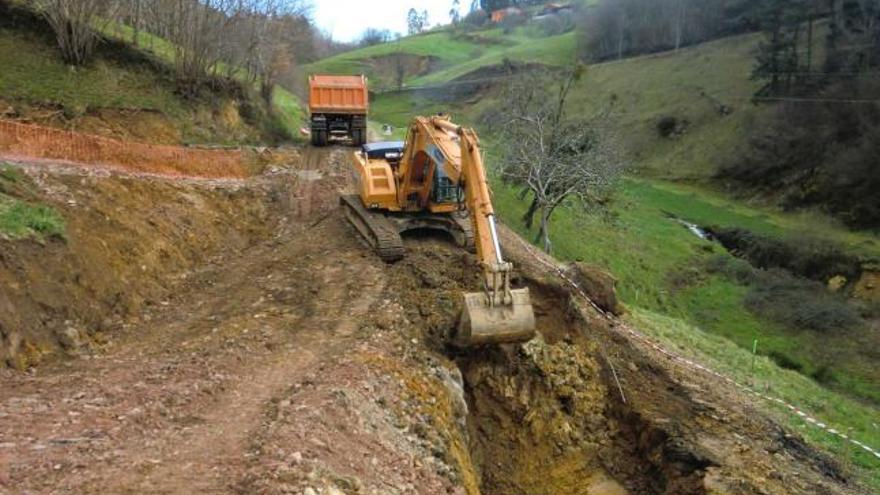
(74, 23)
(454, 12)
(554, 158)
(375, 36)
(416, 22)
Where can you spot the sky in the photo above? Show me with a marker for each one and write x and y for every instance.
(347, 19)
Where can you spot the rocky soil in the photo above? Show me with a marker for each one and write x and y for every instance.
(236, 337)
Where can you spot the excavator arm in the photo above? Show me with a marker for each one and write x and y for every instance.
(421, 187)
(499, 314)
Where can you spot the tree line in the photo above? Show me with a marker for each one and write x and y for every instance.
(622, 28)
(787, 60)
(818, 65)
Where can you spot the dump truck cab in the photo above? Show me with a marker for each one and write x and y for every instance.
(338, 107)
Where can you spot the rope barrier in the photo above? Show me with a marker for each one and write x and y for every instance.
(618, 325)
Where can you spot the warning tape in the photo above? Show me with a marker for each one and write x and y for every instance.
(618, 325)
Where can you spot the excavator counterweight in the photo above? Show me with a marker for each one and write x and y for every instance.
(436, 180)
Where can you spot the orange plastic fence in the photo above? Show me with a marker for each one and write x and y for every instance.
(55, 144)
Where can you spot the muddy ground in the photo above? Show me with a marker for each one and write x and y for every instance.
(236, 337)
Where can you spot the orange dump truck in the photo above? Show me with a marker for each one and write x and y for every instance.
(338, 108)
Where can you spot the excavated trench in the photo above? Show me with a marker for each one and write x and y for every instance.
(545, 417)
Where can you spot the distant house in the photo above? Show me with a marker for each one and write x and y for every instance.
(501, 14)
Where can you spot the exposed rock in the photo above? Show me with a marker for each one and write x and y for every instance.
(70, 338)
(598, 284)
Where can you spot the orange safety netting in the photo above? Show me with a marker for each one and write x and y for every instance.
(28, 140)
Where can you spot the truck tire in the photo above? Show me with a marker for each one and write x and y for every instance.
(358, 137)
(319, 138)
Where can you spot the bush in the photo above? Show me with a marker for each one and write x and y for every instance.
(476, 19)
(733, 268)
(513, 21)
(794, 302)
(555, 25)
(806, 256)
(667, 126)
(784, 361)
(819, 155)
(799, 304)
(824, 375)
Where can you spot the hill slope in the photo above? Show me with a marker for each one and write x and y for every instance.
(126, 92)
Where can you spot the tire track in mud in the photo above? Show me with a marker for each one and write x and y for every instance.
(170, 406)
(214, 452)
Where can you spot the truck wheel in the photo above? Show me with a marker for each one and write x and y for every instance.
(319, 138)
(358, 136)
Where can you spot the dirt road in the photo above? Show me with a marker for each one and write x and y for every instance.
(281, 356)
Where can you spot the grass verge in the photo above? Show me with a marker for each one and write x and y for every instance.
(727, 358)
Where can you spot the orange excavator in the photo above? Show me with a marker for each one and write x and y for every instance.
(436, 180)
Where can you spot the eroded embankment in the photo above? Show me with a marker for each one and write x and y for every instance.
(547, 418)
(128, 241)
(552, 416)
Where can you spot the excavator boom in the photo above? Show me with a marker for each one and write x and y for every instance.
(429, 182)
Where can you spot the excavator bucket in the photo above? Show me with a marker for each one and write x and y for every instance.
(482, 323)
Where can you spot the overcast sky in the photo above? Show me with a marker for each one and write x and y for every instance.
(347, 19)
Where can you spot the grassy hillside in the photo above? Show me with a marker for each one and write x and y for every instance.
(126, 92)
(289, 115)
(448, 54)
(691, 86)
(32, 71)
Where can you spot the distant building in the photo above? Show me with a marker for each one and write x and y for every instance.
(500, 15)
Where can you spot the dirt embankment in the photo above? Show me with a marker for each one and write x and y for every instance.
(264, 349)
(129, 242)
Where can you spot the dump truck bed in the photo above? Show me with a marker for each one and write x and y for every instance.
(338, 94)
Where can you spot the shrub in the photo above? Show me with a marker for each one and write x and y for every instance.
(799, 304)
(555, 25)
(802, 255)
(667, 126)
(476, 19)
(794, 302)
(824, 375)
(819, 155)
(733, 268)
(784, 361)
(513, 21)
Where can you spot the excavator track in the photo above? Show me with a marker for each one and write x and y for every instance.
(375, 228)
